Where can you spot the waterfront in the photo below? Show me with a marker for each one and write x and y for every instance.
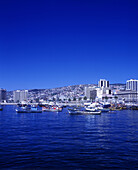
(59, 140)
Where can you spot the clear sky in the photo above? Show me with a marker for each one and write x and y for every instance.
(54, 43)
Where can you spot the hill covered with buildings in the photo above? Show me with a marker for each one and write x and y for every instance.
(67, 93)
(124, 92)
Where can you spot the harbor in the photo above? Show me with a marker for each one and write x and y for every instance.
(56, 140)
(91, 126)
(119, 96)
(58, 106)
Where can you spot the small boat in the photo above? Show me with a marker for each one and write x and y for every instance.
(45, 108)
(115, 108)
(83, 112)
(134, 107)
(1, 108)
(105, 110)
(90, 109)
(106, 105)
(52, 108)
(28, 109)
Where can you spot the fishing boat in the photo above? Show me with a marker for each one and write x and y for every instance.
(46, 108)
(54, 108)
(83, 112)
(105, 110)
(91, 109)
(115, 108)
(106, 105)
(28, 109)
(134, 107)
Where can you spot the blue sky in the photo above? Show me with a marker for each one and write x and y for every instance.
(46, 44)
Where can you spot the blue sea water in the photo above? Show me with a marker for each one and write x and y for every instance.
(62, 141)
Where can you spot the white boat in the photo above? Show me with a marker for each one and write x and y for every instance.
(52, 109)
(98, 107)
(83, 112)
(90, 109)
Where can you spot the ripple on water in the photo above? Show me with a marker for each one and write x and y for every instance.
(62, 141)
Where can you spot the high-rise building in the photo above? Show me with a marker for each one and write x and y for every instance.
(20, 95)
(103, 89)
(132, 84)
(103, 83)
(2, 95)
(90, 92)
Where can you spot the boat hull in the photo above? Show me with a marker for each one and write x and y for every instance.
(52, 110)
(84, 112)
(105, 110)
(29, 111)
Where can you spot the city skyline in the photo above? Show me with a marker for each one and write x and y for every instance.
(61, 43)
(125, 92)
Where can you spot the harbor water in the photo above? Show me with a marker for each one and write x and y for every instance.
(62, 141)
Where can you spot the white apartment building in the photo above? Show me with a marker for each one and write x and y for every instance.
(132, 84)
(130, 95)
(103, 89)
(20, 95)
(103, 83)
(91, 92)
(103, 92)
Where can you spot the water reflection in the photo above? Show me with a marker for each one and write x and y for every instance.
(62, 141)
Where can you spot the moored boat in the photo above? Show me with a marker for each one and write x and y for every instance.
(134, 107)
(52, 108)
(105, 110)
(83, 112)
(28, 109)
